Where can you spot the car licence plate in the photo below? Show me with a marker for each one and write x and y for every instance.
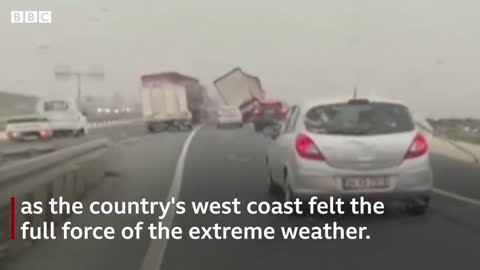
(30, 138)
(355, 183)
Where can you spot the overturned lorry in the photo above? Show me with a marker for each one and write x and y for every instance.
(240, 89)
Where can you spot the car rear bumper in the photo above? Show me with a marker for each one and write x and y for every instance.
(227, 121)
(266, 120)
(414, 183)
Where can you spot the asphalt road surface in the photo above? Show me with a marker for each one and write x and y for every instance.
(225, 164)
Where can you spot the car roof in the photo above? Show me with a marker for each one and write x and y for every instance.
(325, 101)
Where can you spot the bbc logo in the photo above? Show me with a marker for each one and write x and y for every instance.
(30, 17)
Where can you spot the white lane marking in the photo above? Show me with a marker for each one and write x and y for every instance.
(156, 250)
(456, 196)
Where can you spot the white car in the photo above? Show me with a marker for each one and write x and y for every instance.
(29, 127)
(229, 116)
(64, 116)
(351, 148)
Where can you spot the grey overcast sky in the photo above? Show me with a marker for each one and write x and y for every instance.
(424, 52)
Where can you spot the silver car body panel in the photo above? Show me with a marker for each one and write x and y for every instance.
(348, 156)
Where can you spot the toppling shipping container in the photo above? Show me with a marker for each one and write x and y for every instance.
(240, 89)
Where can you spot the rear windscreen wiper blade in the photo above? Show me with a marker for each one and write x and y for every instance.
(350, 131)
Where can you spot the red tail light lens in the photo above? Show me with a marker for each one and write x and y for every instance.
(418, 148)
(11, 134)
(306, 148)
(44, 133)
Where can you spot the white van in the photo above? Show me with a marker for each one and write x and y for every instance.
(65, 117)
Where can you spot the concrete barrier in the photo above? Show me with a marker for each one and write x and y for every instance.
(450, 149)
(472, 149)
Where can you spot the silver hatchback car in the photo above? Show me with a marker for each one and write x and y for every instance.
(349, 148)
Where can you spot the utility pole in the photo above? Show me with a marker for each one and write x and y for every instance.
(79, 85)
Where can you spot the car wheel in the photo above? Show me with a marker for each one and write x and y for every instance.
(273, 188)
(418, 207)
(287, 192)
(80, 133)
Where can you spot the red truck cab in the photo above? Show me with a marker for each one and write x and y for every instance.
(267, 112)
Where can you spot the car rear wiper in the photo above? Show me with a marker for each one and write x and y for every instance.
(350, 131)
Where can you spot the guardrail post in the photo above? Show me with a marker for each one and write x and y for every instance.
(41, 194)
(57, 192)
(69, 185)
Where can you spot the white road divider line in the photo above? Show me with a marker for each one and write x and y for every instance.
(156, 250)
(456, 196)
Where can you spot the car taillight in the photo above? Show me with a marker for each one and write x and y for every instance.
(283, 110)
(44, 133)
(11, 134)
(306, 148)
(418, 147)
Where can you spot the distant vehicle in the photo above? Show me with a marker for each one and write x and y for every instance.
(28, 127)
(229, 116)
(164, 103)
(351, 148)
(267, 112)
(241, 90)
(65, 117)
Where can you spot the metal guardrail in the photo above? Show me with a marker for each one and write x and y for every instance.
(67, 173)
(14, 154)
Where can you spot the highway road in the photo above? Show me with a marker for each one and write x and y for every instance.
(221, 165)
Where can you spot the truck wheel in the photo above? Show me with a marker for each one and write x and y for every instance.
(80, 133)
(150, 129)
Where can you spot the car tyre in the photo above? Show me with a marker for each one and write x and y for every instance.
(418, 207)
(273, 188)
(287, 193)
(80, 133)
(150, 129)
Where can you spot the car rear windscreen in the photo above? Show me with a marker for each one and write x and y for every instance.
(371, 118)
(273, 105)
(56, 105)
